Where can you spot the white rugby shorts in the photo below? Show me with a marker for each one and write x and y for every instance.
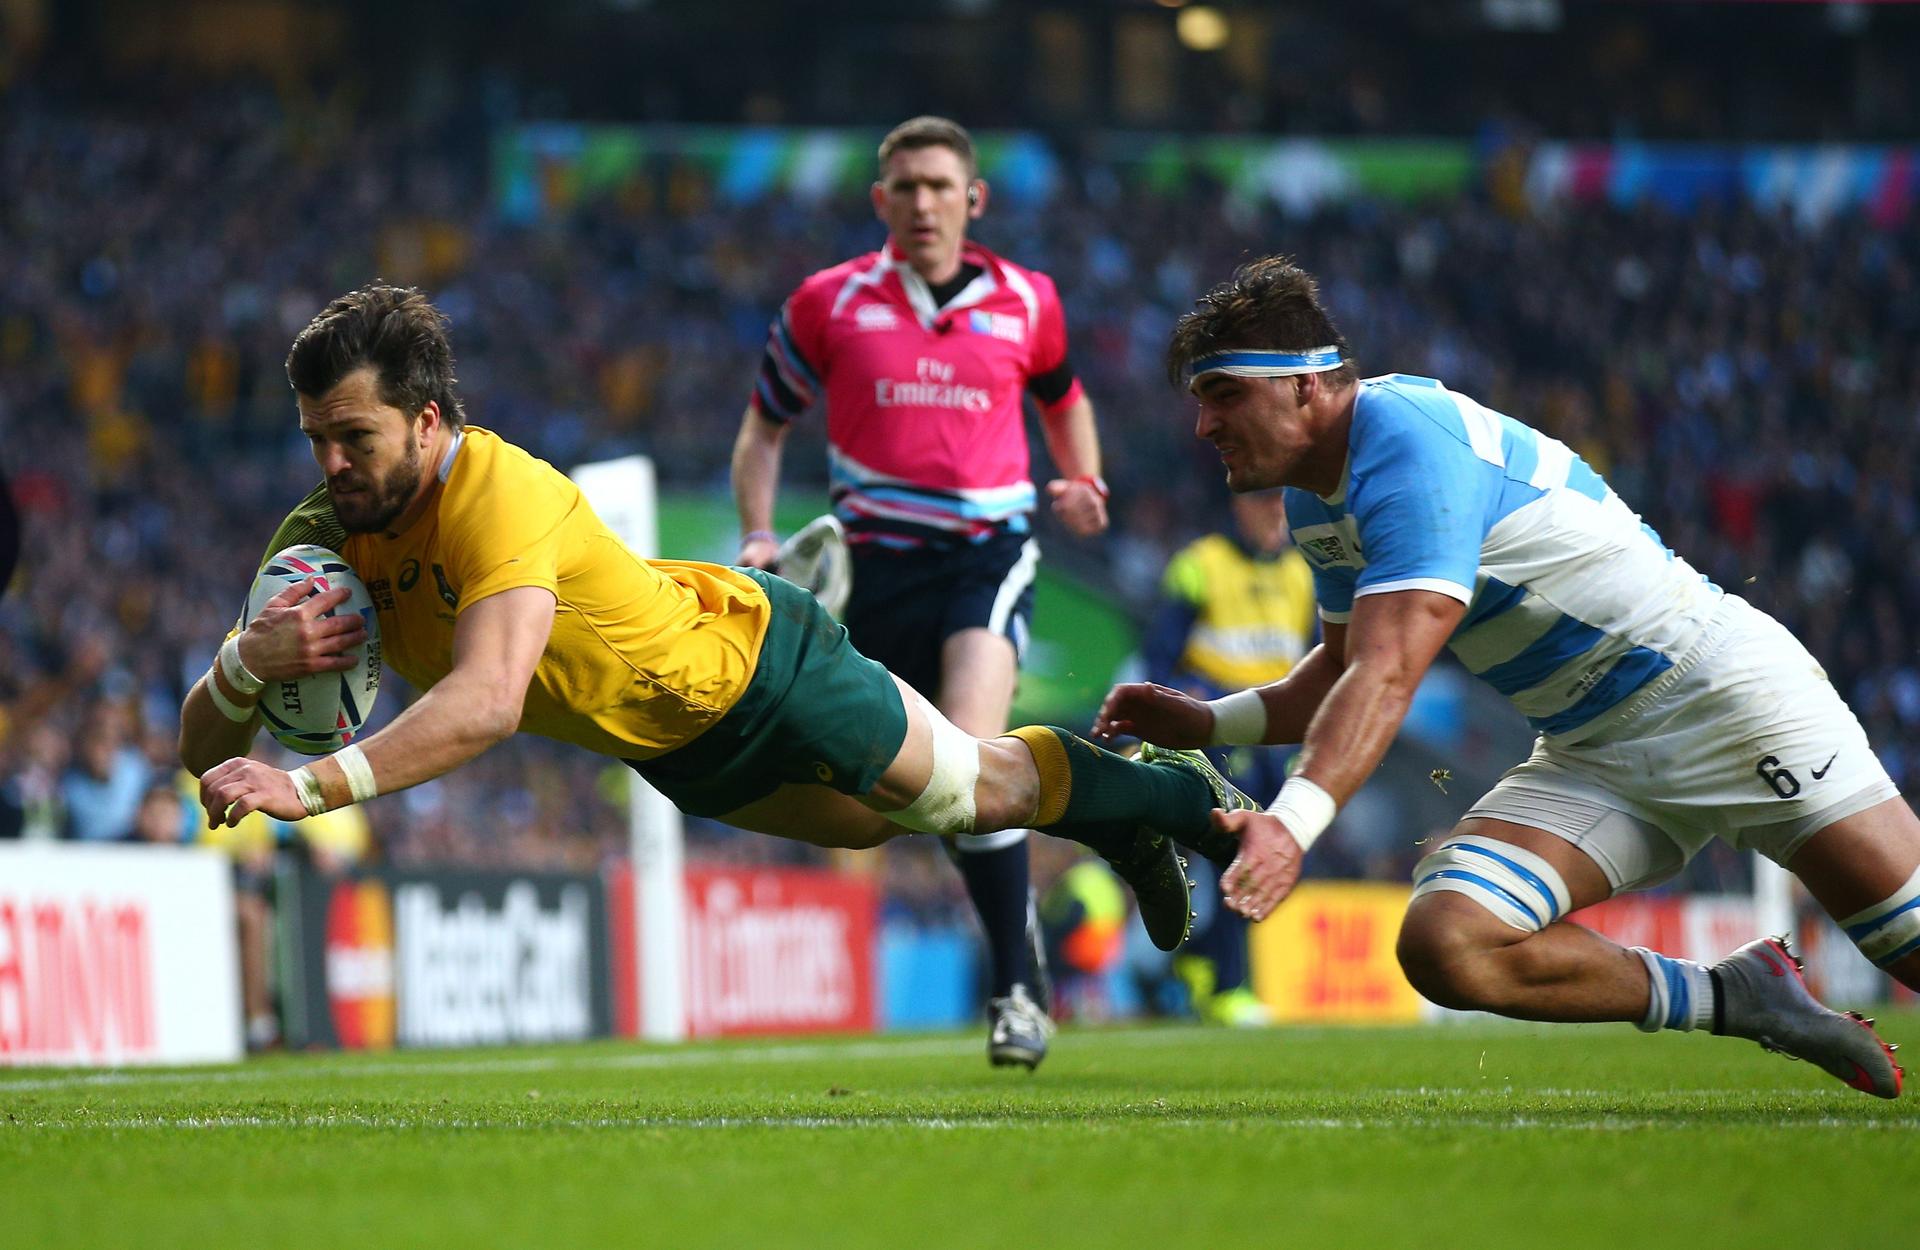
(1751, 744)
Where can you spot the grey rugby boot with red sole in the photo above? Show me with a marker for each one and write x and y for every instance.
(1764, 998)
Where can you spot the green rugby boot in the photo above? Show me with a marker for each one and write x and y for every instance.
(1215, 845)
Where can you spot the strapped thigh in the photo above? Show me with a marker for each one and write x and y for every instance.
(1889, 931)
(1520, 888)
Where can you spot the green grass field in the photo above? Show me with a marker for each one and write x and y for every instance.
(1481, 1135)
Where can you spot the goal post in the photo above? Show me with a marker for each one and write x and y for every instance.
(622, 492)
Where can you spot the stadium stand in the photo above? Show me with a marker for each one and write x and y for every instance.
(1735, 368)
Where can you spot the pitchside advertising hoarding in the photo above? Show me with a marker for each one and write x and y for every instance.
(384, 958)
(116, 955)
(1327, 954)
(391, 957)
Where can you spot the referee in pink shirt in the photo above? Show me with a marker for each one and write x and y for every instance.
(924, 353)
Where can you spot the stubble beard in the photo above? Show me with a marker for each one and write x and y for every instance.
(377, 511)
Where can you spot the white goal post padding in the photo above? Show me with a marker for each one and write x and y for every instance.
(622, 493)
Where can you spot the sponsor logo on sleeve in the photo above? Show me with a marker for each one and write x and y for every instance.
(1326, 549)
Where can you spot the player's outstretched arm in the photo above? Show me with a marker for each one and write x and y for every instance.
(1392, 640)
(497, 644)
(756, 475)
(292, 637)
(1173, 718)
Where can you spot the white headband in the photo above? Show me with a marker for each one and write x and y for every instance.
(1254, 362)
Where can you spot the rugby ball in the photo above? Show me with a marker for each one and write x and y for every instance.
(322, 713)
(815, 559)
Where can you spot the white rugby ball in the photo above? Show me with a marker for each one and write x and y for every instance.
(322, 713)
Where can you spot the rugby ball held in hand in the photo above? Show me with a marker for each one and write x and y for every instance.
(322, 713)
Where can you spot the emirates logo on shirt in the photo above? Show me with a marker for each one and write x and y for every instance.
(933, 386)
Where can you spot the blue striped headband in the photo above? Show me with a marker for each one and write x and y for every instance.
(1253, 362)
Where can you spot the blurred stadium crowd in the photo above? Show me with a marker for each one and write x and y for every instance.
(1745, 381)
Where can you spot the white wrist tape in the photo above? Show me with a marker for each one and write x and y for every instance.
(235, 670)
(360, 783)
(239, 714)
(308, 787)
(1239, 720)
(1305, 809)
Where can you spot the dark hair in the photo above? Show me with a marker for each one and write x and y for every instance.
(928, 132)
(394, 330)
(1269, 303)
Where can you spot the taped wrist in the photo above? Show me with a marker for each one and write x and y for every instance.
(234, 669)
(307, 786)
(1239, 719)
(359, 773)
(238, 713)
(1305, 809)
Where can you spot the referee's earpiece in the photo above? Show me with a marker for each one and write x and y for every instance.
(973, 197)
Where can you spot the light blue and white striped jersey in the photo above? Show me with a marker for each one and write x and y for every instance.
(1573, 604)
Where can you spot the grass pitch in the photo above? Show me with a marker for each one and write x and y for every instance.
(1467, 1135)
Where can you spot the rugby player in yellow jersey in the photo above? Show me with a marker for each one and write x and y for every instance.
(502, 596)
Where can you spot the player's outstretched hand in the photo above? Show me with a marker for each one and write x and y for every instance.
(1157, 714)
(1079, 505)
(1267, 868)
(233, 790)
(291, 638)
(758, 553)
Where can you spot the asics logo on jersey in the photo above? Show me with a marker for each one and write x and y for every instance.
(409, 574)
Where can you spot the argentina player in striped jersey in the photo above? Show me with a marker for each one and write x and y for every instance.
(1669, 711)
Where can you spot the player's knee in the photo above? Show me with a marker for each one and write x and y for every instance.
(948, 803)
(1473, 898)
(1447, 954)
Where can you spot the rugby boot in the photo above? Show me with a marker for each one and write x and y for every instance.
(1149, 862)
(1017, 1030)
(1214, 844)
(1764, 998)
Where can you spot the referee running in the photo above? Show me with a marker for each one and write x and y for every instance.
(923, 352)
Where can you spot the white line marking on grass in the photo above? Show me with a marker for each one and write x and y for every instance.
(356, 1121)
(692, 1058)
(697, 1055)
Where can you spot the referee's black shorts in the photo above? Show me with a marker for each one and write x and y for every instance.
(906, 604)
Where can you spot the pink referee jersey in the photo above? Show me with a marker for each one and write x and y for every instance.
(925, 425)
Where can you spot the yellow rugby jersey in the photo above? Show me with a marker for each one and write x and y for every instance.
(1255, 614)
(644, 654)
